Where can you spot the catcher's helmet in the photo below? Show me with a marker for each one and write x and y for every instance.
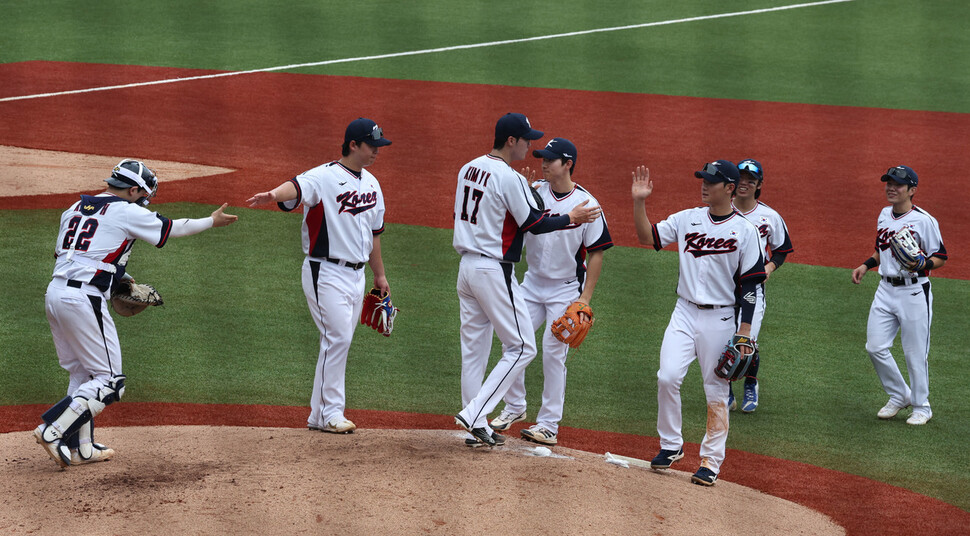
(129, 173)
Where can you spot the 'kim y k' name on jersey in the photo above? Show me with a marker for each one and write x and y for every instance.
(493, 208)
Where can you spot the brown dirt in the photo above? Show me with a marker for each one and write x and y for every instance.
(33, 171)
(241, 480)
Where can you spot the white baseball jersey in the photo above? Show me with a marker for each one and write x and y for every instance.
(561, 255)
(924, 228)
(771, 228)
(493, 207)
(714, 256)
(96, 236)
(343, 212)
(903, 305)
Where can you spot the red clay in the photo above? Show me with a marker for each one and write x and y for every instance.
(823, 162)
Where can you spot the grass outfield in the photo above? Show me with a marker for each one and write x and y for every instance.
(236, 330)
(882, 53)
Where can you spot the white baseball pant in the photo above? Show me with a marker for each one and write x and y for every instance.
(701, 334)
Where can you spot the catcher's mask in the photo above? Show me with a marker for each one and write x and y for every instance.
(129, 173)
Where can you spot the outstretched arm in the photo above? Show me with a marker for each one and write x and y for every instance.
(187, 227)
(280, 194)
(641, 190)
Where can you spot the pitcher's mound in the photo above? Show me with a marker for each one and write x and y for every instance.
(235, 480)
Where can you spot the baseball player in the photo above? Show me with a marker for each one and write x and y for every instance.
(904, 299)
(563, 268)
(777, 246)
(721, 265)
(494, 208)
(343, 218)
(91, 256)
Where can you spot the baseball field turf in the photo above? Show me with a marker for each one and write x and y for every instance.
(236, 329)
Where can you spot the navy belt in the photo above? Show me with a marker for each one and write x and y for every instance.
(706, 306)
(351, 265)
(74, 283)
(900, 281)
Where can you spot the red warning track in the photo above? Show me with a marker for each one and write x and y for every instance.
(885, 510)
(823, 162)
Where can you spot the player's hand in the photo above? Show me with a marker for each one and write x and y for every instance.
(530, 175)
(221, 219)
(380, 282)
(858, 273)
(769, 267)
(642, 185)
(581, 214)
(261, 198)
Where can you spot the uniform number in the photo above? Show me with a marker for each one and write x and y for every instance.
(476, 196)
(84, 238)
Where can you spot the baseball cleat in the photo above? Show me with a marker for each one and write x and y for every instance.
(750, 402)
(475, 443)
(666, 458)
(539, 434)
(481, 434)
(890, 410)
(100, 453)
(506, 419)
(338, 426)
(57, 450)
(732, 402)
(918, 418)
(704, 477)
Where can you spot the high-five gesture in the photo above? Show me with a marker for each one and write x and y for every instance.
(642, 185)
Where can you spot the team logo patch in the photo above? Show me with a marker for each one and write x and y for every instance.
(355, 203)
(700, 245)
(749, 297)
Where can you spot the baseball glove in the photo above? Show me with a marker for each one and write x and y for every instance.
(129, 298)
(906, 250)
(573, 326)
(733, 363)
(378, 312)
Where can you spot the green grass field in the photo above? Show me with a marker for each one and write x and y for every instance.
(236, 329)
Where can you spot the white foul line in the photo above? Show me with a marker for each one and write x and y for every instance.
(426, 51)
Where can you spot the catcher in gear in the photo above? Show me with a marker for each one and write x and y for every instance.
(91, 257)
(908, 246)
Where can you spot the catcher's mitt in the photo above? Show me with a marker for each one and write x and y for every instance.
(733, 363)
(906, 250)
(129, 298)
(378, 312)
(573, 326)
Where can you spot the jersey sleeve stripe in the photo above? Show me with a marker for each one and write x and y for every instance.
(166, 230)
(378, 231)
(656, 237)
(297, 201)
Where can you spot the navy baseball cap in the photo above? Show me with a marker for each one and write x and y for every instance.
(517, 126)
(557, 148)
(901, 174)
(367, 131)
(719, 171)
(753, 167)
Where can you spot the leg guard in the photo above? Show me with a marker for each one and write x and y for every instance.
(65, 418)
(84, 449)
(112, 392)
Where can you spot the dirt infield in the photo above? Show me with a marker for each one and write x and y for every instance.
(859, 505)
(239, 480)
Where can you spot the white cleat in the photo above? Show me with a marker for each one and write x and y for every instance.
(918, 418)
(99, 453)
(890, 410)
(57, 450)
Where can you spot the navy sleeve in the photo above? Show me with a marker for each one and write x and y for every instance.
(542, 222)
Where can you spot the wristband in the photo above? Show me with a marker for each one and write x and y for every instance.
(930, 264)
(871, 263)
